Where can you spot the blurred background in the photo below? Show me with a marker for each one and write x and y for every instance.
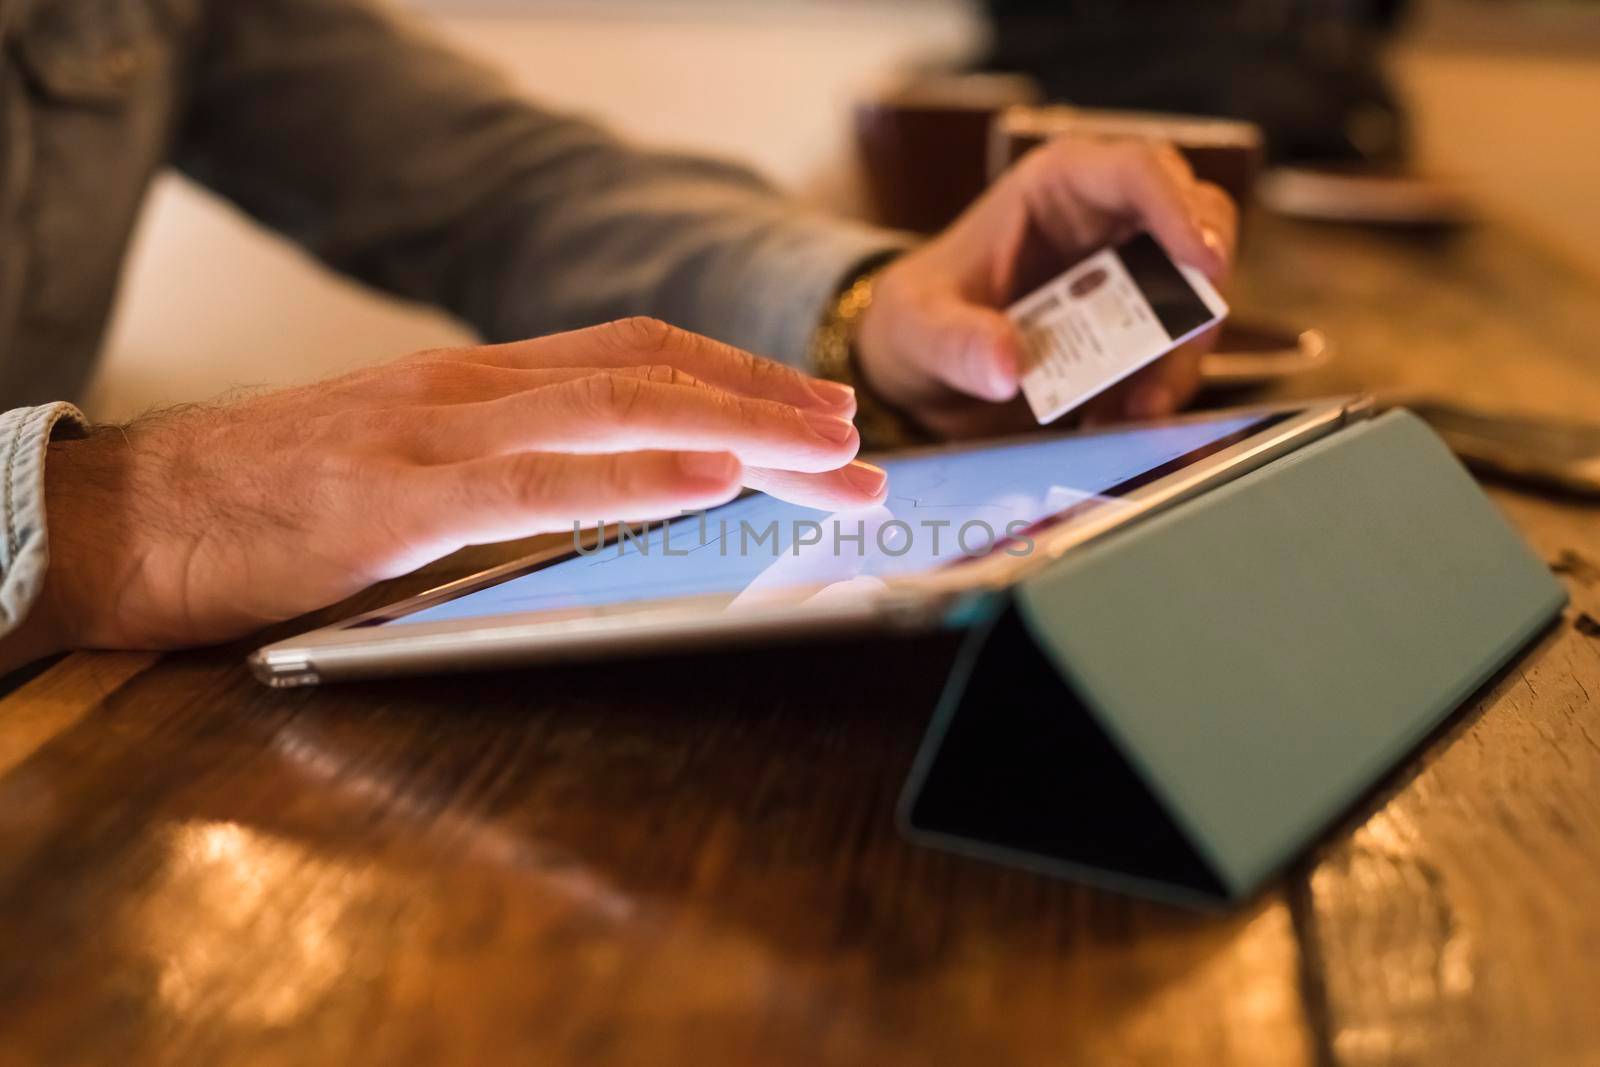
(1500, 96)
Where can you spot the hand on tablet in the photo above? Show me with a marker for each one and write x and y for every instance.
(206, 522)
(936, 342)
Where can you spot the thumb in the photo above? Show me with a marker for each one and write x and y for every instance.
(976, 350)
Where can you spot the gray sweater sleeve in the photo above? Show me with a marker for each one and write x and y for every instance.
(396, 160)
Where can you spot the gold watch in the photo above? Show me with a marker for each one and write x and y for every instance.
(833, 356)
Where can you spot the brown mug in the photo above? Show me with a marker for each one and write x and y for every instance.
(924, 142)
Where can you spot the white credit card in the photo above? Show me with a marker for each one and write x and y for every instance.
(1121, 309)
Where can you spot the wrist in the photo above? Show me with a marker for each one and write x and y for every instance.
(85, 495)
(28, 621)
(37, 636)
(836, 356)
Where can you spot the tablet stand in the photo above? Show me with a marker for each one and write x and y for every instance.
(1182, 708)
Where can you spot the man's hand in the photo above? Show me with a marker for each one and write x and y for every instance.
(936, 342)
(204, 523)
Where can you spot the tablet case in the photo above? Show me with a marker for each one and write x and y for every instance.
(1181, 708)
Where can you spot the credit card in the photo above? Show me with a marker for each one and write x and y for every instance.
(1121, 309)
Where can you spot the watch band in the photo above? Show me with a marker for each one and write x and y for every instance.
(833, 356)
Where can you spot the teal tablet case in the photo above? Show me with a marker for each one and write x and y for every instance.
(1184, 706)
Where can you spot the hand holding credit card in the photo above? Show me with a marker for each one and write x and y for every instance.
(1105, 318)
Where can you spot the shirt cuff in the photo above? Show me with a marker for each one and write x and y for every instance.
(25, 546)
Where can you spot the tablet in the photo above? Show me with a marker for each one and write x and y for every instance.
(960, 524)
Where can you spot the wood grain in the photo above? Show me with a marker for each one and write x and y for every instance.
(668, 861)
(693, 860)
(60, 697)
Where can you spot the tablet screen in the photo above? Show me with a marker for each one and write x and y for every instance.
(942, 508)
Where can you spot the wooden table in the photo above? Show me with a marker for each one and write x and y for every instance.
(694, 860)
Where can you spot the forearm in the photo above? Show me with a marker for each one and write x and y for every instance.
(401, 162)
(745, 266)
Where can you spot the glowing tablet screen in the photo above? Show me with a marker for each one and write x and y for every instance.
(942, 508)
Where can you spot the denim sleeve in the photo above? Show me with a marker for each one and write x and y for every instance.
(25, 551)
(396, 160)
